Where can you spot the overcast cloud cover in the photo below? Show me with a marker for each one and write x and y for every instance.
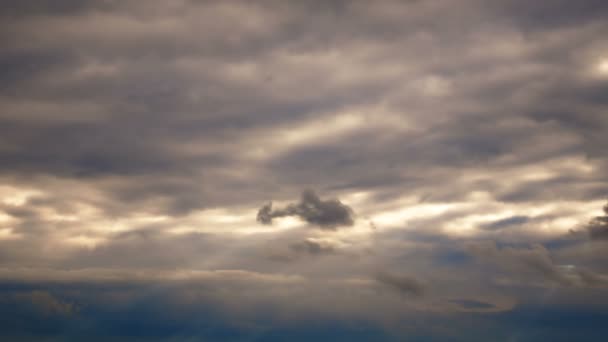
(424, 170)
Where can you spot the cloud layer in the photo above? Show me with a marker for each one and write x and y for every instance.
(456, 150)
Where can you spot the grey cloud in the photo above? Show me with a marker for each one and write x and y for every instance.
(402, 283)
(326, 214)
(49, 8)
(161, 109)
(265, 214)
(590, 278)
(196, 78)
(534, 264)
(542, 15)
(534, 261)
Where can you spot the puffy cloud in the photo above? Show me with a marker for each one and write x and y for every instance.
(328, 214)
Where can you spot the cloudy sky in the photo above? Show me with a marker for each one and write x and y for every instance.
(424, 170)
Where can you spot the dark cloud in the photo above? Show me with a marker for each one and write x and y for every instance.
(329, 214)
(265, 214)
(401, 283)
(598, 227)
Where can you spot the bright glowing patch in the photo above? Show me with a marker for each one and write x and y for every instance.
(602, 67)
(219, 216)
(356, 198)
(63, 218)
(5, 218)
(16, 196)
(322, 128)
(287, 222)
(467, 225)
(281, 139)
(399, 217)
(105, 226)
(8, 234)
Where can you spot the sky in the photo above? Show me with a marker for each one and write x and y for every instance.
(424, 170)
